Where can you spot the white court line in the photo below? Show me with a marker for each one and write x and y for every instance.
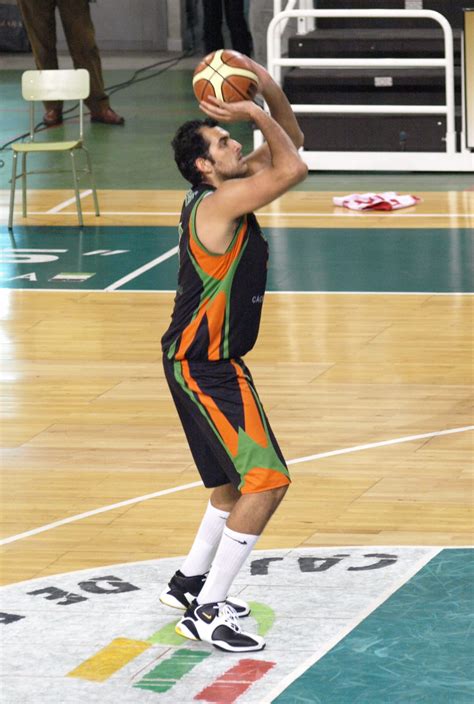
(328, 645)
(146, 497)
(371, 214)
(383, 443)
(64, 204)
(36, 251)
(157, 213)
(104, 509)
(297, 293)
(284, 293)
(142, 269)
(362, 293)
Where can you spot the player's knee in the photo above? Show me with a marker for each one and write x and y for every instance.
(225, 497)
(278, 493)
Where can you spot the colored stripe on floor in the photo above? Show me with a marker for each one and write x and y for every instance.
(165, 675)
(109, 660)
(233, 683)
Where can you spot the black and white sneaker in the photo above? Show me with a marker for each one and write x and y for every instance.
(217, 624)
(182, 591)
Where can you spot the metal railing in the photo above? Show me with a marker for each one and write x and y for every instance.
(276, 62)
(303, 24)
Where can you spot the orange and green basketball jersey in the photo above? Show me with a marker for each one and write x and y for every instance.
(219, 298)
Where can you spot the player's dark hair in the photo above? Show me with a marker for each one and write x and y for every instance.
(190, 144)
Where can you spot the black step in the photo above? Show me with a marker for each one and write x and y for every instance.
(452, 10)
(368, 86)
(372, 43)
(375, 133)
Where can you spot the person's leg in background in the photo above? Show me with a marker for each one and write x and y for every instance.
(239, 32)
(80, 36)
(212, 25)
(40, 24)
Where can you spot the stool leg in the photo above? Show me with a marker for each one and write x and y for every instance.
(23, 183)
(92, 180)
(76, 190)
(12, 191)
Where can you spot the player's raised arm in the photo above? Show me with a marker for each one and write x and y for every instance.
(247, 190)
(280, 110)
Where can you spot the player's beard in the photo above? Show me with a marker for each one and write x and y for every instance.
(238, 170)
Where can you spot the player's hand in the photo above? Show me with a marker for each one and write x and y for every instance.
(264, 78)
(243, 110)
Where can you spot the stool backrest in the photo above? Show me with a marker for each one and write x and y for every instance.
(67, 84)
(58, 84)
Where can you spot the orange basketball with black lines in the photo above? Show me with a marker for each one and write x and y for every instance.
(227, 75)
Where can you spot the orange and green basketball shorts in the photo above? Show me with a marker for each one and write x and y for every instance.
(228, 432)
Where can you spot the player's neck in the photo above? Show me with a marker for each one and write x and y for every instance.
(213, 181)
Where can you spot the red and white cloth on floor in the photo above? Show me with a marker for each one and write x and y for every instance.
(376, 201)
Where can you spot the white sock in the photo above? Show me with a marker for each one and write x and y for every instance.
(231, 554)
(206, 542)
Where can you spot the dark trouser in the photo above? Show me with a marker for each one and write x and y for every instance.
(234, 16)
(40, 24)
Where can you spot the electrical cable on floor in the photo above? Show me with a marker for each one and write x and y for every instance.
(40, 126)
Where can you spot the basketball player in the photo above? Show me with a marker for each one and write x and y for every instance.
(215, 321)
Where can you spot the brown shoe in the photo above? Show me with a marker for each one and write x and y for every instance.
(108, 117)
(52, 117)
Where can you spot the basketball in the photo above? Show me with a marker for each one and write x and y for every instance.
(227, 75)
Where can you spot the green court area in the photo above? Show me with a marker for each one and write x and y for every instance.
(335, 259)
(138, 155)
(415, 648)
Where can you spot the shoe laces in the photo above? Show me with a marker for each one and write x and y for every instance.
(229, 615)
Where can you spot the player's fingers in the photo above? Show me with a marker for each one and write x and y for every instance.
(220, 117)
(213, 99)
(209, 106)
(214, 103)
(213, 110)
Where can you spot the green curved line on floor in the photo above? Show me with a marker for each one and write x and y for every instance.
(263, 615)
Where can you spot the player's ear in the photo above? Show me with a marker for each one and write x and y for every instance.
(203, 165)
